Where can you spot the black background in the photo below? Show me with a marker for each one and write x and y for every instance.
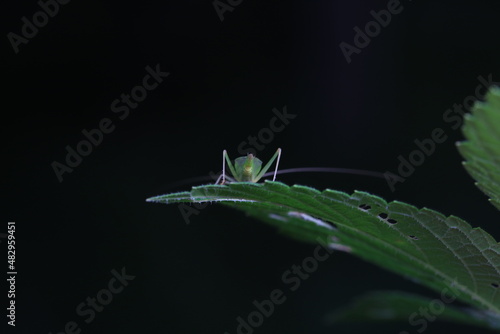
(225, 79)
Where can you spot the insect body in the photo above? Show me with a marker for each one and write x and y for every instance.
(247, 169)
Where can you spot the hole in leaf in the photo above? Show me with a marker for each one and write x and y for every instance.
(413, 237)
(365, 207)
(383, 215)
(392, 221)
(495, 285)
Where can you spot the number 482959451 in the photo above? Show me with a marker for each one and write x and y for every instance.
(11, 245)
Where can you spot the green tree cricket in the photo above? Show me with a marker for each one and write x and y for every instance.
(237, 169)
(247, 169)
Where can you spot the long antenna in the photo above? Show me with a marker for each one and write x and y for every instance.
(327, 170)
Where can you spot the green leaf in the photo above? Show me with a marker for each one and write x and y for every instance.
(442, 253)
(481, 150)
(406, 307)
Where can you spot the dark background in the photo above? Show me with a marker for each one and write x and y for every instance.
(225, 79)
